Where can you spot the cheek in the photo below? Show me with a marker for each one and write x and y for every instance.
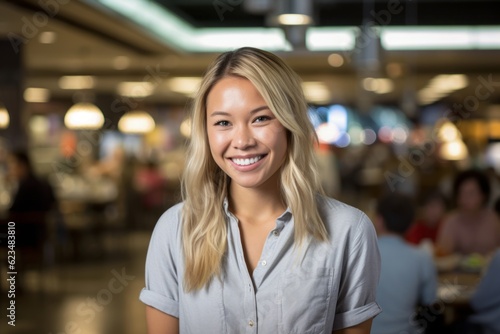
(217, 142)
(274, 137)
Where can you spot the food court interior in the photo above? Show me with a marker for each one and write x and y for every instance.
(404, 95)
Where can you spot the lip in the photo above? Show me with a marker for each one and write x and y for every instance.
(248, 167)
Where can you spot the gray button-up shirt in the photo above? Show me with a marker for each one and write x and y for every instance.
(322, 287)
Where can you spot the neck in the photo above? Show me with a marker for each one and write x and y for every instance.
(473, 213)
(256, 204)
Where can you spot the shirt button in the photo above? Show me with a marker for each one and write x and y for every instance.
(276, 233)
(251, 323)
(264, 262)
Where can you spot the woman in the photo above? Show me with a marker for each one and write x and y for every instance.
(473, 227)
(427, 227)
(254, 247)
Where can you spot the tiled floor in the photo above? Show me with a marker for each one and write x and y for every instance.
(97, 296)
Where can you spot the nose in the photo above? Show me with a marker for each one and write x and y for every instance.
(243, 138)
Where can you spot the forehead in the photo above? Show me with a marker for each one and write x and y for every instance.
(233, 89)
(469, 183)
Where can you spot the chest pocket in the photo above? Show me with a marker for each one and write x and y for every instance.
(305, 298)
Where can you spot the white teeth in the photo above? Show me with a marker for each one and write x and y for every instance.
(246, 162)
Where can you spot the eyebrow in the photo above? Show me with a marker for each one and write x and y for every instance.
(223, 113)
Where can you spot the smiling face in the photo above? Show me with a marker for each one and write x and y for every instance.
(246, 140)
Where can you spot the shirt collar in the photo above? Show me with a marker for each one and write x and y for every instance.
(285, 217)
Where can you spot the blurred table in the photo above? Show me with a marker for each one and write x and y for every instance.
(457, 285)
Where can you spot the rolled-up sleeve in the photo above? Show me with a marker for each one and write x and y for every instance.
(162, 282)
(356, 301)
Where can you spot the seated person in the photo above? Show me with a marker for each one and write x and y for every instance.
(408, 276)
(31, 201)
(486, 300)
(433, 212)
(473, 227)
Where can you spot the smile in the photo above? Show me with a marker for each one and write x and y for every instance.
(246, 162)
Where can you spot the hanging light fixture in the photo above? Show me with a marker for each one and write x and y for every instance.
(4, 117)
(293, 13)
(454, 150)
(293, 16)
(136, 122)
(453, 147)
(84, 116)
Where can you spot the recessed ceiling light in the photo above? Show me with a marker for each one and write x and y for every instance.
(136, 89)
(184, 85)
(47, 37)
(335, 60)
(36, 95)
(294, 19)
(77, 82)
(316, 91)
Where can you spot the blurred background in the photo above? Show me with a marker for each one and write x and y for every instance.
(403, 95)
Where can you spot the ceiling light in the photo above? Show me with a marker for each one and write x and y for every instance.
(84, 116)
(454, 150)
(449, 82)
(378, 85)
(370, 84)
(384, 86)
(440, 86)
(330, 38)
(47, 37)
(335, 60)
(316, 92)
(4, 117)
(36, 95)
(136, 122)
(440, 38)
(294, 19)
(136, 89)
(448, 132)
(184, 85)
(77, 82)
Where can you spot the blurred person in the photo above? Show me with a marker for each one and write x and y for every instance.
(255, 247)
(32, 200)
(472, 227)
(150, 183)
(31, 194)
(408, 276)
(150, 188)
(485, 302)
(434, 210)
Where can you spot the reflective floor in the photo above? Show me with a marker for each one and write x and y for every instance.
(92, 296)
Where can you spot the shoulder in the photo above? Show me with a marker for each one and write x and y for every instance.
(342, 219)
(336, 212)
(169, 222)
(491, 216)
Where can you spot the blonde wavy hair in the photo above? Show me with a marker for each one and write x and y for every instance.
(205, 185)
